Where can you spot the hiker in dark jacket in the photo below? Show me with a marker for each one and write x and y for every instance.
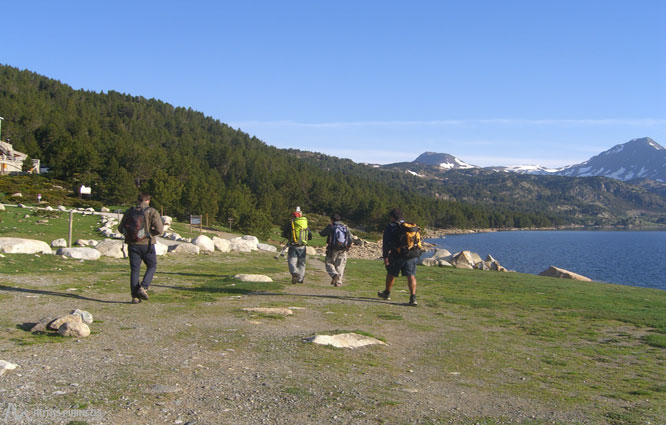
(338, 243)
(395, 264)
(140, 225)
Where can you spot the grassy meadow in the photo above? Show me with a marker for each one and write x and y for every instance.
(596, 351)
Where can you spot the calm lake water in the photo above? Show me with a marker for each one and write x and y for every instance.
(624, 257)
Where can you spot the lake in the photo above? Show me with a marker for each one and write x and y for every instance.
(636, 258)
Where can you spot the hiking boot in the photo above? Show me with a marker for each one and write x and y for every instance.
(336, 280)
(412, 300)
(142, 294)
(135, 300)
(385, 295)
(294, 278)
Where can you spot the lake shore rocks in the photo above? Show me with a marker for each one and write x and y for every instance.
(553, 271)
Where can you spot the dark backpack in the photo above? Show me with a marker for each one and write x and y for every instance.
(408, 240)
(339, 237)
(135, 225)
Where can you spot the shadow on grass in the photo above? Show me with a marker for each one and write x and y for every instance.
(267, 289)
(195, 274)
(57, 294)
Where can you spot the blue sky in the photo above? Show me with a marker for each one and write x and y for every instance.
(491, 82)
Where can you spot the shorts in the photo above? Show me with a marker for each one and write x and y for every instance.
(397, 265)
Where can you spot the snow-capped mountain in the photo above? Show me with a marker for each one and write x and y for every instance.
(442, 160)
(638, 158)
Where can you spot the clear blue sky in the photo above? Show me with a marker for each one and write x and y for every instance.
(491, 82)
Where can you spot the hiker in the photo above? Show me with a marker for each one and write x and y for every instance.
(140, 225)
(397, 262)
(297, 234)
(338, 243)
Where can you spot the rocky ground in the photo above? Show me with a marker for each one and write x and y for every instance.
(212, 363)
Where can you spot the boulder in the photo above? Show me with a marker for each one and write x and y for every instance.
(464, 260)
(80, 253)
(160, 248)
(49, 208)
(61, 208)
(4, 367)
(222, 245)
(86, 317)
(253, 278)
(243, 245)
(17, 195)
(59, 243)
(2, 207)
(112, 248)
(42, 324)
(347, 340)
(429, 262)
(77, 330)
(309, 250)
(166, 221)
(204, 243)
(184, 248)
(23, 246)
(266, 247)
(81, 242)
(105, 209)
(444, 263)
(553, 271)
(55, 324)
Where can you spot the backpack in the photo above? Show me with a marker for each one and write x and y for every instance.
(408, 240)
(339, 237)
(135, 225)
(299, 231)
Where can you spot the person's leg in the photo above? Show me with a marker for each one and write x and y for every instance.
(411, 284)
(292, 259)
(330, 264)
(340, 265)
(300, 264)
(150, 258)
(135, 268)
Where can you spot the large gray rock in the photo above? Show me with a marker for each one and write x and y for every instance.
(5, 366)
(80, 253)
(160, 248)
(204, 243)
(2, 207)
(222, 245)
(77, 330)
(69, 318)
(464, 260)
(59, 243)
(242, 244)
(42, 324)
(270, 310)
(553, 271)
(347, 340)
(266, 247)
(310, 250)
(86, 317)
(253, 278)
(23, 246)
(112, 248)
(184, 248)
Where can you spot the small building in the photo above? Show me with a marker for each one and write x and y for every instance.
(11, 161)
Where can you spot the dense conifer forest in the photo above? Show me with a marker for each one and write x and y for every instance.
(120, 144)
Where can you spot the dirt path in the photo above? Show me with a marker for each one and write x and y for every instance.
(211, 363)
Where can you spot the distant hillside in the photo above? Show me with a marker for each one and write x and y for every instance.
(193, 164)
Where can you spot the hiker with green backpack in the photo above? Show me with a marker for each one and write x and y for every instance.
(297, 234)
(401, 248)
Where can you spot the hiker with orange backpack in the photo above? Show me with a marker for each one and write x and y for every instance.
(401, 248)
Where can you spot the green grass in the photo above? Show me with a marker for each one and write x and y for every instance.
(562, 343)
(15, 224)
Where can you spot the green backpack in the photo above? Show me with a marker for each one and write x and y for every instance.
(299, 231)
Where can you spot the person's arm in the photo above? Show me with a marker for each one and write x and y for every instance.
(121, 226)
(349, 238)
(325, 231)
(156, 225)
(387, 244)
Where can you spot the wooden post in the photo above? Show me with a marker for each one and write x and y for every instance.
(71, 221)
